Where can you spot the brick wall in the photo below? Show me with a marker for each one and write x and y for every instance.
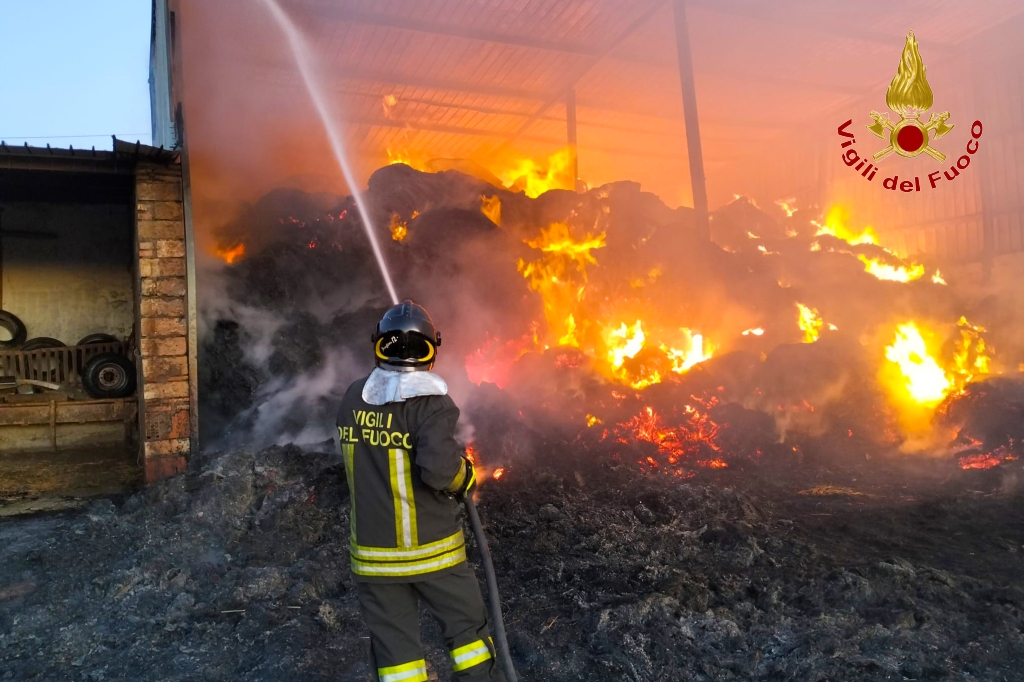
(163, 325)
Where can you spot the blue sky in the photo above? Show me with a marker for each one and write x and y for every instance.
(71, 68)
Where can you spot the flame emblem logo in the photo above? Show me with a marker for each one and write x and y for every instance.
(909, 95)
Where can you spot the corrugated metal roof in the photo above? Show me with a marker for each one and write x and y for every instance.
(471, 77)
(120, 160)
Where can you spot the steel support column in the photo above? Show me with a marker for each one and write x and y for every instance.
(696, 158)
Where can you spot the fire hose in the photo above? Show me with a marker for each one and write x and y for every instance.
(492, 590)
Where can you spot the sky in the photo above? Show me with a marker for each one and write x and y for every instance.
(74, 72)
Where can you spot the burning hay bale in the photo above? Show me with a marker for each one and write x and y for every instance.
(592, 308)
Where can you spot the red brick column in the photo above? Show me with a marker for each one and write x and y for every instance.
(163, 330)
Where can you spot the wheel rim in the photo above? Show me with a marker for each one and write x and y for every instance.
(112, 378)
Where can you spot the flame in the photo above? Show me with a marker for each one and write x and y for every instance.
(756, 331)
(406, 158)
(230, 255)
(922, 378)
(388, 103)
(625, 342)
(498, 473)
(560, 275)
(809, 321)
(528, 176)
(937, 278)
(591, 420)
(685, 358)
(785, 205)
(399, 228)
(835, 225)
(491, 207)
(494, 360)
(892, 273)
(909, 93)
(970, 355)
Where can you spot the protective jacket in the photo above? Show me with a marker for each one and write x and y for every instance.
(400, 458)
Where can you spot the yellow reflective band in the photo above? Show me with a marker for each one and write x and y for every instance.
(459, 479)
(381, 554)
(405, 504)
(416, 671)
(414, 531)
(407, 568)
(349, 451)
(429, 356)
(376, 349)
(426, 358)
(469, 655)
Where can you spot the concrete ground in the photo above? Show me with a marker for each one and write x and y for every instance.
(50, 480)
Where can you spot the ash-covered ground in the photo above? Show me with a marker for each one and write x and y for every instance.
(794, 570)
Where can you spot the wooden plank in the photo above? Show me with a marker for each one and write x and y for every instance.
(24, 415)
(66, 412)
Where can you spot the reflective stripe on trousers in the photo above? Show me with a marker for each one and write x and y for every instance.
(471, 654)
(414, 671)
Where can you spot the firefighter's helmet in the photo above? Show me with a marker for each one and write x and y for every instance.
(406, 339)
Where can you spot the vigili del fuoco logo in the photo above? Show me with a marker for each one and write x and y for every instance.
(909, 96)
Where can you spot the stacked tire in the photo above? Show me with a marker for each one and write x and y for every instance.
(15, 328)
(107, 375)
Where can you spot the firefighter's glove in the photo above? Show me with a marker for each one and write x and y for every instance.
(464, 482)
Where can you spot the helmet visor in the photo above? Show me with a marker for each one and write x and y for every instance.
(404, 347)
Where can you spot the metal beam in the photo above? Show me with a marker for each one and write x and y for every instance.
(824, 25)
(693, 148)
(338, 12)
(577, 74)
(161, 109)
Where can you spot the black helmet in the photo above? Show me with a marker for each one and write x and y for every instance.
(406, 340)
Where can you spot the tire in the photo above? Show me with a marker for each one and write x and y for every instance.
(109, 375)
(42, 343)
(93, 339)
(16, 328)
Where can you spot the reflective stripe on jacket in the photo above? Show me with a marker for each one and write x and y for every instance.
(399, 458)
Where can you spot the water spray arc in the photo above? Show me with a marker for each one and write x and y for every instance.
(305, 62)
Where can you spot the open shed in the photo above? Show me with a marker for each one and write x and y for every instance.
(95, 365)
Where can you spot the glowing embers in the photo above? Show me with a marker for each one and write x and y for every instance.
(691, 440)
(398, 227)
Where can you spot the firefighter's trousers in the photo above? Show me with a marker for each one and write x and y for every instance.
(391, 612)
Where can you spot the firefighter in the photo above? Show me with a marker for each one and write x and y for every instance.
(406, 475)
